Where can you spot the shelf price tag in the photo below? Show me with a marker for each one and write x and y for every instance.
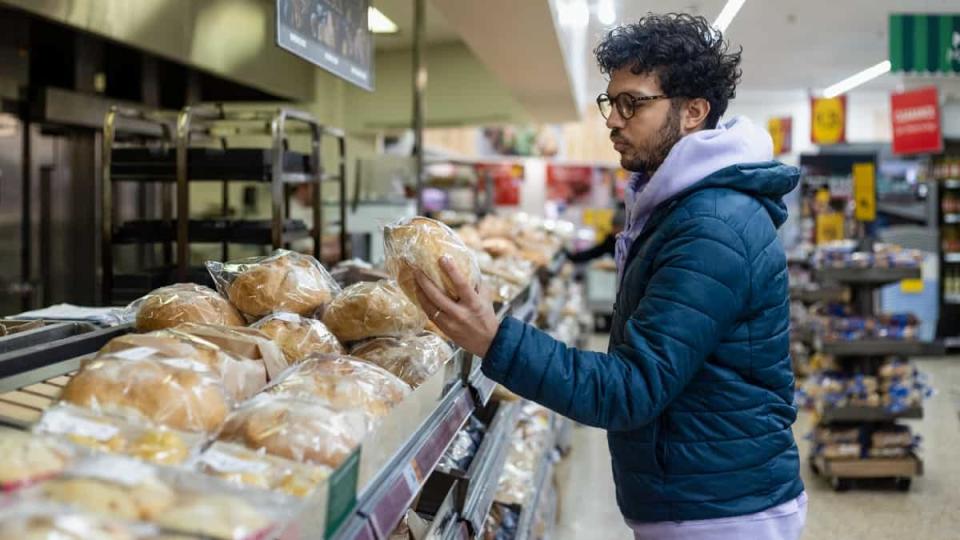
(865, 191)
(911, 286)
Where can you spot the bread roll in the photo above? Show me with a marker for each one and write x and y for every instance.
(500, 247)
(419, 243)
(285, 281)
(343, 383)
(299, 337)
(242, 342)
(470, 236)
(295, 429)
(412, 359)
(184, 302)
(242, 466)
(177, 393)
(44, 522)
(241, 377)
(143, 501)
(373, 309)
(25, 457)
(215, 516)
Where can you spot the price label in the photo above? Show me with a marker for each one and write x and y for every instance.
(61, 421)
(225, 462)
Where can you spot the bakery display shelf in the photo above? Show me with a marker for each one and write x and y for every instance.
(39, 333)
(867, 276)
(880, 347)
(541, 480)
(144, 164)
(819, 294)
(842, 472)
(860, 414)
(257, 232)
(482, 386)
(482, 478)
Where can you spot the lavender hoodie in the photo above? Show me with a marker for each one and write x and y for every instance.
(692, 159)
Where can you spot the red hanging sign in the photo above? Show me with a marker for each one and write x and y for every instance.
(916, 122)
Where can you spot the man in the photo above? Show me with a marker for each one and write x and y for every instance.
(696, 388)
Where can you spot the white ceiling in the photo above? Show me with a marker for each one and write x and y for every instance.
(437, 30)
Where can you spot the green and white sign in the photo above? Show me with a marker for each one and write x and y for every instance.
(925, 43)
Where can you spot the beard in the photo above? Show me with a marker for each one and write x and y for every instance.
(650, 156)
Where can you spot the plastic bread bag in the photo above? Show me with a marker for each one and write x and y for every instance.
(43, 520)
(471, 237)
(413, 359)
(343, 383)
(27, 458)
(492, 226)
(464, 447)
(169, 306)
(498, 290)
(304, 431)
(283, 281)
(241, 377)
(419, 242)
(141, 440)
(297, 336)
(514, 270)
(373, 309)
(241, 342)
(242, 466)
(499, 247)
(178, 393)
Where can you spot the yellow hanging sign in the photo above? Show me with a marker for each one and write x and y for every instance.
(865, 191)
(828, 120)
(829, 227)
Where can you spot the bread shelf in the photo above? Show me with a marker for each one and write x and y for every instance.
(866, 276)
(528, 513)
(869, 467)
(867, 414)
(483, 475)
(254, 232)
(819, 294)
(878, 347)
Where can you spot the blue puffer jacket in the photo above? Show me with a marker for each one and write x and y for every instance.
(696, 389)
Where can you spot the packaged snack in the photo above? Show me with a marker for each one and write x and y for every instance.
(343, 383)
(300, 430)
(242, 342)
(299, 337)
(26, 458)
(284, 281)
(181, 303)
(242, 377)
(373, 309)
(182, 394)
(414, 359)
(420, 243)
(142, 440)
(242, 466)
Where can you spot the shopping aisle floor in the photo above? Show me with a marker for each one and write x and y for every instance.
(929, 511)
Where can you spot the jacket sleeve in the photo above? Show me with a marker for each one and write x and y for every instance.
(698, 288)
(607, 247)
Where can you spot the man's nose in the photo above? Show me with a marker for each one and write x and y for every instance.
(614, 120)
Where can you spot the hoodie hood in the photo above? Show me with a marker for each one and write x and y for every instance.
(736, 155)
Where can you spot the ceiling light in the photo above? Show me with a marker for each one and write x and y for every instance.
(606, 13)
(854, 81)
(727, 14)
(378, 23)
(573, 13)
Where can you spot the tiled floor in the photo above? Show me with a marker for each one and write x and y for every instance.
(929, 511)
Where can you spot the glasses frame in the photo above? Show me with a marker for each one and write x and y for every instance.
(614, 102)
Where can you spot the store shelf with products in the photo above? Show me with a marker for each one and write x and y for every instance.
(852, 413)
(866, 276)
(880, 347)
(843, 472)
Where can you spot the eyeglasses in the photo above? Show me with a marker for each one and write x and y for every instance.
(626, 104)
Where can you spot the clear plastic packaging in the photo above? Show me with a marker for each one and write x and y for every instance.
(242, 466)
(499, 290)
(38, 520)
(464, 447)
(492, 226)
(500, 247)
(420, 243)
(470, 237)
(414, 359)
(303, 431)
(343, 383)
(299, 337)
(514, 270)
(26, 458)
(182, 394)
(241, 377)
(283, 281)
(169, 306)
(242, 342)
(373, 309)
(145, 441)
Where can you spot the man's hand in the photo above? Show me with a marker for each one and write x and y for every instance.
(470, 322)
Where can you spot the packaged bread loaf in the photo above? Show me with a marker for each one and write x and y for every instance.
(305, 431)
(420, 243)
(142, 440)
(284, 281)
(47, 520)
(297, 336)
(219, 516)
(471, 237)
(500, 247)
(343, 383)
(493, 226)
(241, 377)
(181, 303)
(26, 458)
(242, 342)
(413, 359)
(178, 393)
(373, 309)
(243, 466)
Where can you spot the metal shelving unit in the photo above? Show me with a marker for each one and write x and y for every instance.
(851, 413)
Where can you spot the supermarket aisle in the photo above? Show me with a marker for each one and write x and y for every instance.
(930, 510)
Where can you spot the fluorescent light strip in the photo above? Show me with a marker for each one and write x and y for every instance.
(606, 13)
(727, 14)
(378, 23)
(854, 81)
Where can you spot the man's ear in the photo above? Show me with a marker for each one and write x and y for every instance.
(694, 117)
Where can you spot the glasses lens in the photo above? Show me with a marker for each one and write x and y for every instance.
(603, 101)
(625, 106)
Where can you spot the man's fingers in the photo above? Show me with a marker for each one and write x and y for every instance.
(434, 295)
(464, 290)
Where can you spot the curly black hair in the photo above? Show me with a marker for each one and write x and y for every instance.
(691, 58)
